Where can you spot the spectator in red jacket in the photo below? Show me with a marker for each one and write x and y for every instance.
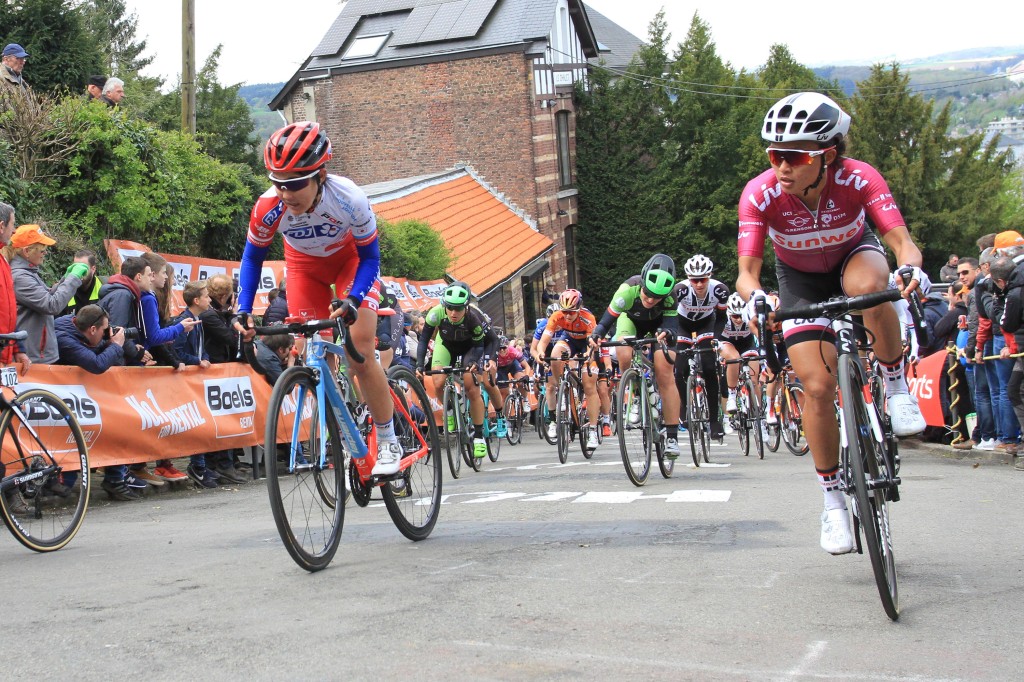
(8, 303)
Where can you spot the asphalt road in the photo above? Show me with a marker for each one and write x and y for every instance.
(537, 571)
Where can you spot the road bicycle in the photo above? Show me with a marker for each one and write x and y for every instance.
(869, 461)
(748, 419)
(570, 408)
(542, 416)
(788, 401)
(773, 435)
(310, 433)
(639, 420)
(458, 422)
(514, 408)
(698, 413)
(44, 464)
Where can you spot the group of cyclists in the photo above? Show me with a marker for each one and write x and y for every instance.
(813, 203)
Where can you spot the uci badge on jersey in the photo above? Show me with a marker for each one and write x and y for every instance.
(9, 376)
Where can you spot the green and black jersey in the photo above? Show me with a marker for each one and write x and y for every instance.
(631, 317)
(470, 338)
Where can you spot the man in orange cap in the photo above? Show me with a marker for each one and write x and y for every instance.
(1007, 240)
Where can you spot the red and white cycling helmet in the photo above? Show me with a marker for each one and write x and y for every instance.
(571, 299)
(297, 147)
(805, 116)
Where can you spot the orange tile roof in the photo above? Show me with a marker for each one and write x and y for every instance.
(488, 240)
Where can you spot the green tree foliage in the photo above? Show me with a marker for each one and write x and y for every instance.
(412, 249)
(664, 152)
(62, 52)
(114, 31)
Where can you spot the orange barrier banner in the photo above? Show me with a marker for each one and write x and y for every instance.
(141, 414)
(926, 386)
(411, 294)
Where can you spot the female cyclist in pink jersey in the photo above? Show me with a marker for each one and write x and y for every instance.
(813, 204)
(330, 238)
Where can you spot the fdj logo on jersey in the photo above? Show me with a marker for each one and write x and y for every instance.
(232, 404)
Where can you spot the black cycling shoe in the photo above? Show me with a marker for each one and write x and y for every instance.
(717, 432)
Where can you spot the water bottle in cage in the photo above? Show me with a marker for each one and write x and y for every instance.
(655, 401)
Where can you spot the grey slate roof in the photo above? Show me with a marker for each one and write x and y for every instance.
(617, 45)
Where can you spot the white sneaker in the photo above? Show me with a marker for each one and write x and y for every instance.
(671, 448)
(590, 433)
(771, 419)
(907, 419)
(634, 411)
(986, 444)
(389, 458)
(730, 404)
(552, 430)
(836, 535)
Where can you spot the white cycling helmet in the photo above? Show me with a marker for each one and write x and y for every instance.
(699, 266)
(805, 116)
(735, 304)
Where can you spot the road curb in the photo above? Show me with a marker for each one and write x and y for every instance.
(947, 452)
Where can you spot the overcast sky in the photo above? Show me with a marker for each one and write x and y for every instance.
(264, 40)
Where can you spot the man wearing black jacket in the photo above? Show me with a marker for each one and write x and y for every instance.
(1008, 274)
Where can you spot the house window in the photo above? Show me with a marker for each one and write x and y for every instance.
(365, 46)
(562, 136)
(570, 257)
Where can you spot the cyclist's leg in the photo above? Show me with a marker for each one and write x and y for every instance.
(709, 368)
(729, 353)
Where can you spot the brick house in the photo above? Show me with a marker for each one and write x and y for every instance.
(406, 88)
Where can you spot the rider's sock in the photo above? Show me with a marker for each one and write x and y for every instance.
(732, 393)
(671, 431)
(386, 430)
(892, 373)
(829, 481)
(478, 430)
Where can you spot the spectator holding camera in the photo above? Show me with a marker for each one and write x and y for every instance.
(274, 355)
(37, 302)
(87, 340)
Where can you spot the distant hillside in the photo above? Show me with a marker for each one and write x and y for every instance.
(258, 96)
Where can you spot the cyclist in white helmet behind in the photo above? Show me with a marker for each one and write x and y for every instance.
(814, 204)
(701, 314)
(736, 339)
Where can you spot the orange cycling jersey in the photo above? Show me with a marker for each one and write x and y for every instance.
(579, 329)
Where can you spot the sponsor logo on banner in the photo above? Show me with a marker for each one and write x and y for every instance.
(169, 422)
(433, 290)
(206, 271)
(232, 404)
(182, 275)
(78, 400)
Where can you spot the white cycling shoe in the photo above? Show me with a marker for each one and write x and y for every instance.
(836, 534)
(906, 416)
(389, 458)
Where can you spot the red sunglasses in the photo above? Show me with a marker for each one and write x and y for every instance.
(794, 157)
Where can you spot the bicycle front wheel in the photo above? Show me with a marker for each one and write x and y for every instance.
(44, 512)
(774, 433)
(563, 419)
(865, 442)
(741, 419)
(755, 417)
(413, 499)
(306, 478)
(630, 427)
(791, 422)
(452, 432)
(514, 419)
(698, 421)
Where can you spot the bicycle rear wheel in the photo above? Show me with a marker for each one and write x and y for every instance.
(45, 512)
(741, 419)
(514, 419)
(413, 499)
(632, 429)
(308, 520)
(774, 433)
(791, 422)
(452, 432)
(698, 420)
(869, 478)
(491, 434)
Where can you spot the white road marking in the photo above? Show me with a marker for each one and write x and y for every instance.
(699, 496)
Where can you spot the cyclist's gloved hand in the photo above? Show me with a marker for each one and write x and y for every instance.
(923, 282)
(347, 309)
(752, 303)
(79, 270)
(595, 339)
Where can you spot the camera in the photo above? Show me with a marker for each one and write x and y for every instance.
(129, 332)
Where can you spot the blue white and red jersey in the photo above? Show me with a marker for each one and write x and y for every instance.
(816, 241)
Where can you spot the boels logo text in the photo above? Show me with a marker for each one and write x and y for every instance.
(232, 405)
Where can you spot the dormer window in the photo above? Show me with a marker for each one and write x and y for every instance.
(365, 46)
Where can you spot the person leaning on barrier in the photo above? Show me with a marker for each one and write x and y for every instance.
(87, 340)
(37, 302)
(274, 355)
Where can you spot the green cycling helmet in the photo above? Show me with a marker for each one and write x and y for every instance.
(456, 295)
(658, 276)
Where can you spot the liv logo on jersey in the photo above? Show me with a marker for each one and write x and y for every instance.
(232, 405)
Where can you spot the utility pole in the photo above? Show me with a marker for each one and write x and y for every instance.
(188, 66)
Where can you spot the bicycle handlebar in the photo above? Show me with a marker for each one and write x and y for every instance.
(306, 328)
(838, 306)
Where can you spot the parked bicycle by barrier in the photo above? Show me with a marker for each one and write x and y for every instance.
(639, 419)
(869, 459)
(311, 430)
(44, 464)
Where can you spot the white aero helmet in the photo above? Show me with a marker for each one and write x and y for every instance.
(735, 304)
(808, 116)
(699, 266)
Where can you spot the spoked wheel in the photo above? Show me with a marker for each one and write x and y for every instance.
(413, 497)
(452, 432)
(514, 419)
(633, 428)
(546, 415)
(491, 435)
(755, 417)
(308, 520)
(699, 421)
(563, 419)
(45, 512)
(791, 422)
(665, 464)
(866, 459)
(468, 436)
(583, 422)
(741, 419)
